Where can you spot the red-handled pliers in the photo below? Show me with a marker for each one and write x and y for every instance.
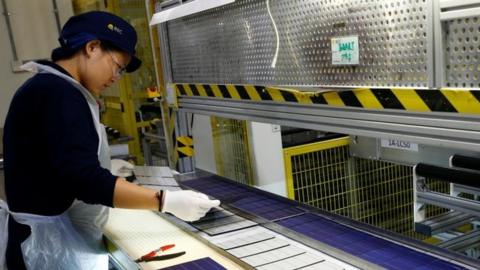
(154, 252)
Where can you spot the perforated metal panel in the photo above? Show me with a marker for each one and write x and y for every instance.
(462, 52)
(237, 43)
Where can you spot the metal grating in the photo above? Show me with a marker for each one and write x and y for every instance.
(330, 165)
(231, 147)
(237, 43)
(462, 47)
(375, 192)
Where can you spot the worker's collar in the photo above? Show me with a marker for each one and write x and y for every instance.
(55, 66)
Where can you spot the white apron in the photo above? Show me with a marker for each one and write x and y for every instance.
(71, 240)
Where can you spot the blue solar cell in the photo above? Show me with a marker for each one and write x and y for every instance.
(351, 237)
(200, 264)
(353, 249)
(383, 254)
(337, 242)
(410, 260)
(439, 265)
(290, 222)
(266, 208)
(365, 246)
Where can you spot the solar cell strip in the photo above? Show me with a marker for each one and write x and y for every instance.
(243, 240)
(155, 187)
(213, 216)
(258, 248)
(152, 171)
(230, 227)
(156, 180)
(325, 265)
(203, 225)
(200, 264)
(273, 256)
(296, 262)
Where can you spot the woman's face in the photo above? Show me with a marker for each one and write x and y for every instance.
(101, 68)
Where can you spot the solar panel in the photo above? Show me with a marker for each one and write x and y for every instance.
(267, 208)
(284, 213)
(244, 199)
(363, 245)
(200, 264)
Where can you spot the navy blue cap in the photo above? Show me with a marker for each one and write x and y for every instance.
(100, 25)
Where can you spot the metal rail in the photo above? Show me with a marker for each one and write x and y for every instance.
(7, 15)
(438, 129)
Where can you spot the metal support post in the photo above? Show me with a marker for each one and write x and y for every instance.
(419, 212)
(183, 128)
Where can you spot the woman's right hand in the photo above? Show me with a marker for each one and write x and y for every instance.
(187, 205)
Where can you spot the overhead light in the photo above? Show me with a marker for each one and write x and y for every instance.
(187, 9)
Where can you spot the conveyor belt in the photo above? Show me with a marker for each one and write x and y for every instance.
(297, 218)
(234, 236)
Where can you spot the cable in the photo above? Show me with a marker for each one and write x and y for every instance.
(274, 61)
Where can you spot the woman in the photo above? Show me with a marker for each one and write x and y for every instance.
(56, 153)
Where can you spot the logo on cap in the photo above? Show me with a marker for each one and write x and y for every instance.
(114, 28)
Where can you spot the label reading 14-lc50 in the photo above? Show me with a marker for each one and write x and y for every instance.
(399, 144)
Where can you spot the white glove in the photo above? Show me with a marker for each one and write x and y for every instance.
(187, 205)
(121, 168)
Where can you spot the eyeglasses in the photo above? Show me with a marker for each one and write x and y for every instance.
(120, 69)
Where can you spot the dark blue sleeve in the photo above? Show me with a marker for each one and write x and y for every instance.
(73, 143)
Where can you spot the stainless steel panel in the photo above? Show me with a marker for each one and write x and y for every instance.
(369, 148)
(237, 43)
(462, 52)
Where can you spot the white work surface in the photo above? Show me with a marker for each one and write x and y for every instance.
(137, 232)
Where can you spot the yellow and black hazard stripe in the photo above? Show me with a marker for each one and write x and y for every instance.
(185, 146)
(408, 99)
(242, 92)
(173, 137)
(182, 145)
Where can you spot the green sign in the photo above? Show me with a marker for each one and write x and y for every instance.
(345, 51)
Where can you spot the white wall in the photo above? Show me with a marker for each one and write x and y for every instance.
(267, 157)
(266, 151)
(35, 33)
(203, 143)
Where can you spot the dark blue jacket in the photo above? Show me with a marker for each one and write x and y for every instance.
(50, 154)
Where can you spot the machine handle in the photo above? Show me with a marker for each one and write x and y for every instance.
(453, 175)
(472, 163)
